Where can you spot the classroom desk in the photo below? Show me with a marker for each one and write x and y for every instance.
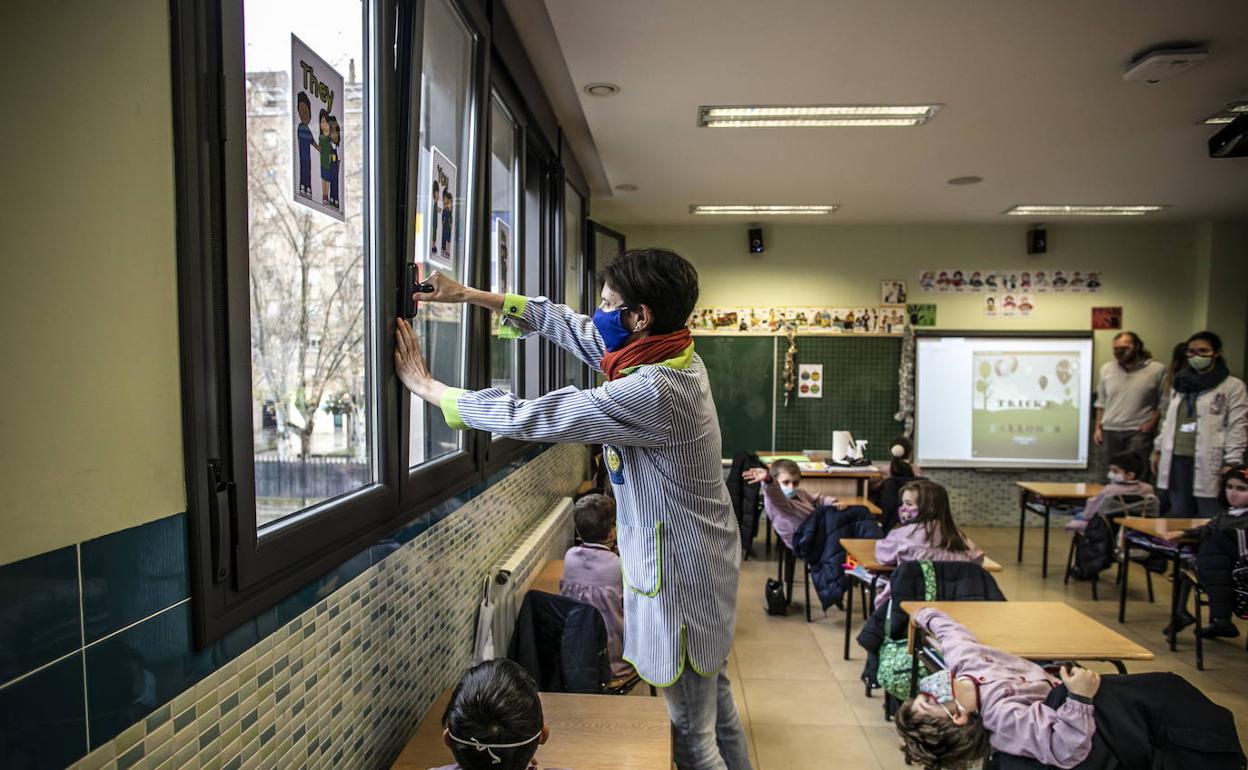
(587, 732)
(1032, 630)
(1154, 527)
(862, 551)
(861, 475)
(548, 579)
(1048, 494)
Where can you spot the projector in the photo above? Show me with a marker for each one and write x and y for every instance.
(1231, 141)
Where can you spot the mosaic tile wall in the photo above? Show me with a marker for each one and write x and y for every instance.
(334, 677)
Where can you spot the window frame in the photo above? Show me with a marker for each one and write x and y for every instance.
(238, 572)
(565, 181)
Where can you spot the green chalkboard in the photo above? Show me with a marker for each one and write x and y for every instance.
(860, 391)
(742, 382)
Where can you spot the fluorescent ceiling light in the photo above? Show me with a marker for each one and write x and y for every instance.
(816, 115)
(1226, 114)
(764, 209)
(1080, 210)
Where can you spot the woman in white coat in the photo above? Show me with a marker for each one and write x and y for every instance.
(1204, 431)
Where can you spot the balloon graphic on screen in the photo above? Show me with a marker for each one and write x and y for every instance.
(1044, 382)
(1064, 370)
(1006, 366)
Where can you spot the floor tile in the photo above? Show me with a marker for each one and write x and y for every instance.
(787, 702)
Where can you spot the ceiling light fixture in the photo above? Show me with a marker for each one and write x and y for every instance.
(964, 180)
(602, 89)
(756, 209)
(1077, 210)
(816, 115)
(1227, 114)
(626, 187)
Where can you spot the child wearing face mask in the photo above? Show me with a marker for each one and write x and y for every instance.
(1223, 542)
(1125, 470)
(786, 505)
(925, 530)
(987, 699)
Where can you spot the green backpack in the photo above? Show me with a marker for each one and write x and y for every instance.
(893, 673)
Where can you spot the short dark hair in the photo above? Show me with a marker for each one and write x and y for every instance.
(936, 742)
(324, 115)
(1131, 462)
(594, 516)
(660, 279)
(1136, 342)
(495, 702)
(1214, 340)
(303, 99)
(1234, 472)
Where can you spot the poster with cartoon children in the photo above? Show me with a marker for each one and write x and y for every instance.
(440, 181)
(501, 264)
(316, 93)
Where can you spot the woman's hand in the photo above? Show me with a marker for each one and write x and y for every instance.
(1080, 681)
(445, 289)
(754, 475)
(410, 366)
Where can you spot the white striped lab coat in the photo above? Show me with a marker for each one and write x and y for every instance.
(679, 546)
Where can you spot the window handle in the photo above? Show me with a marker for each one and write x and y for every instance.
(220, 514)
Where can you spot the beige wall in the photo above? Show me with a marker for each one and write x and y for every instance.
(90, 438)
(1148, 269)
(1227, 304)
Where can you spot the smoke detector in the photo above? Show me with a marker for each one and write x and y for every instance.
(1163, 63)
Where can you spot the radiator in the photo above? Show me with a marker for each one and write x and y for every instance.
(506, 582)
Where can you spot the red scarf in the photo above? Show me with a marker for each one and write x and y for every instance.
(647, 350)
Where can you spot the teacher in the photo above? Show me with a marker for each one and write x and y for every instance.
(657, 423)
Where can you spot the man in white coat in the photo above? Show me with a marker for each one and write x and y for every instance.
(656, 420)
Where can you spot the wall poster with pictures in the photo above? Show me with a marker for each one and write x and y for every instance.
(892, 292)
(440, 246)
(810, 380)
(317, 96)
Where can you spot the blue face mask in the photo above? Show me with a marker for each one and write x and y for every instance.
(790, 493)
(609, 325)
(940, 687)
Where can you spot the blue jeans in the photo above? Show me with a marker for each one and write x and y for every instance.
(708, 731)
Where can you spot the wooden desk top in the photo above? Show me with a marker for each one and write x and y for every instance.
(1157, 526)
(864, 502)
(862, 550)
(587, 732)
(1038, 630)
(548, 579)
(825, 471)
(1054, 490)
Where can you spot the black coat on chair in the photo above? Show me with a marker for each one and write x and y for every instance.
(562, 643)
(747, 499)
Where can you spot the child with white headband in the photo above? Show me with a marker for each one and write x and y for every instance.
(494, 719)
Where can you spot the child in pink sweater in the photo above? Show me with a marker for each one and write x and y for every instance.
(1125, 471)
(592, 573)
(785, 503)
(925, 530)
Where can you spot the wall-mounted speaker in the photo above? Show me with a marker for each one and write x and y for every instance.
(756, 240)
(1037, 240)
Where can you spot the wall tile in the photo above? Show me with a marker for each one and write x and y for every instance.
(40, 618)
(42, 721)
(131, 674)
(129, 575)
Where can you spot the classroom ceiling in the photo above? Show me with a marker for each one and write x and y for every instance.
(1033, 95)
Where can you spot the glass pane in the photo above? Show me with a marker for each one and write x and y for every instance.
(442, 220)
(607, 249)
(574, 268)
(504, 245)
(308, 231)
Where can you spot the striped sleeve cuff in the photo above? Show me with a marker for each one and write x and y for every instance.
(450, 408)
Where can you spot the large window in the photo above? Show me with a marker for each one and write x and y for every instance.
(505, 238)
(573, 272)
(443, 238)
(309, 253)
(322, 147)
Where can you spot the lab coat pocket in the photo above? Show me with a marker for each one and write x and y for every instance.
(641, 557)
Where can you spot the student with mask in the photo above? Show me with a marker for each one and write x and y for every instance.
(1205, 429)
(679, 545)
(1127, 398)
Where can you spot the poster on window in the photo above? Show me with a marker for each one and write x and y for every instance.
(440, 181)
(502, 258)
(316, 92)
(810, 380)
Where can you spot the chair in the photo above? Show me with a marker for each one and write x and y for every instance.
(1122, 505)
(1200, 598)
